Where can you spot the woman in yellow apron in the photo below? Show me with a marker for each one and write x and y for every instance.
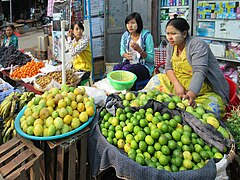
(192, 71)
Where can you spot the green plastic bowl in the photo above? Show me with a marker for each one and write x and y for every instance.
(121, 80)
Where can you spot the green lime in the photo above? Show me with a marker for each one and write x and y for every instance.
(142, 146)
(147, 157)
(147, 130)
(163, 160)
(185, 139)
(165, 150)
(111, 134)
(134, 144)
(140, 160)
(176, 135)
(173, 123)
(163, 139)
(155, 133)
(143, 123)
(129, 138)
(171, 105)
(136, 129)
(178, 161)
(119, 134)
(166, 116)
(150, 150)
(178, 118)
(157, 146)
(164, 127)
(149, 140)
(172, 145)
(141, 135)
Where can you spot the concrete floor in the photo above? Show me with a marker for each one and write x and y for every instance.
(28, 40)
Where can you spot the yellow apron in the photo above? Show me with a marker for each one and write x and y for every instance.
(183, 70)
(83, 60)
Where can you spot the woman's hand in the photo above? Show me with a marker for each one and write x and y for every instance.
(179, 90)
(191, 96)
(70, 33)
(127, 56)
(135, 46)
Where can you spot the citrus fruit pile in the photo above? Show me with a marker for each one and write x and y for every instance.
(156, 139)
(141, 99)
(57, 111)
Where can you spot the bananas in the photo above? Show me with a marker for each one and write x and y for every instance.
(9, 109)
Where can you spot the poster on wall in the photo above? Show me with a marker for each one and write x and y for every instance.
(61, 11)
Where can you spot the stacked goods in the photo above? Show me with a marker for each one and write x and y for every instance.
(233, 124)
(30, 69)
(162, 135)
(8, 111)
(12, 56)
(43, 80)
(57, 112)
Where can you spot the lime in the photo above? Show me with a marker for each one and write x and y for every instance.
(201, 142)
(130, 127)
(173, 123)
(129, 138)
(204, 155)
(172, 144)
(150, 110)
(207, 147)
(177, 153)
(107, 124)
(166, 116)
(147, 157)
(185, 139)
(118, 128)
(171, 105)
(167, 168)
(142, 146)
(187, 163)
(122, 117)
(218, 155)
(134, 144)
(119, 111)
(111, 134)
(165, 150)
(103, 113)
(127, 109)
(157, 146)
(147, 130)
(120, 143)
(198, 148)
(104, 132)
(132, 156)
(182, 168)
(176, 99)
(164, 127)
(136, 129)
(135, 122)
(149, 140)
(214, 150)
(187, 155)
(176, 135)
(174, 168)
(155, 120)
(125, 133)
(155, 160)
(178, 118)
(143, 123)
(140, 160)
(178, 161)
(150, 150)
(187, 128)
(119, 134)
(163, 160)
(168, 135)
(141, 135)
(163, 139)
(115, 141)
(155, 133)
(110, 140)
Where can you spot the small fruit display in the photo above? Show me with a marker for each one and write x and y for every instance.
(132, 100)
(11, 105)
(57, 111)
(43, 81)
(159, 139)
(30, 69)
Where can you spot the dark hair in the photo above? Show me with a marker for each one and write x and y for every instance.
(79, 24)
(11, 26)
(180, 24)
(138, 19)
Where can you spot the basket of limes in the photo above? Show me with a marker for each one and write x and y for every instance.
(121, 80)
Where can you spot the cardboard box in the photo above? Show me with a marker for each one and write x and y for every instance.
(42, 43)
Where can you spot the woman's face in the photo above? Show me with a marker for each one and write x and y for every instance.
(77, 31)
(175, 37)
(9, 31)
(132, 26)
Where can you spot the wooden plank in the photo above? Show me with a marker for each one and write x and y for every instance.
(83, 158)
(35, 171)
(6, 146)
(11, 153)
(15, 162)
(42, 159)
(30, 145)
(60, 163)
(72, 161)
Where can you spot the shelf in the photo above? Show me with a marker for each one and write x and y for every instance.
(217, 20)
(169, 7)
(211, 1)
(98, 36)
(219, 39)
(230, 60)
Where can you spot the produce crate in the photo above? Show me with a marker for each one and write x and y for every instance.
(66, 158)
(6, 93)
(19, 159)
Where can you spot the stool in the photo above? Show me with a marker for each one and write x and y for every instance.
(20, 159)
(66, 158)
